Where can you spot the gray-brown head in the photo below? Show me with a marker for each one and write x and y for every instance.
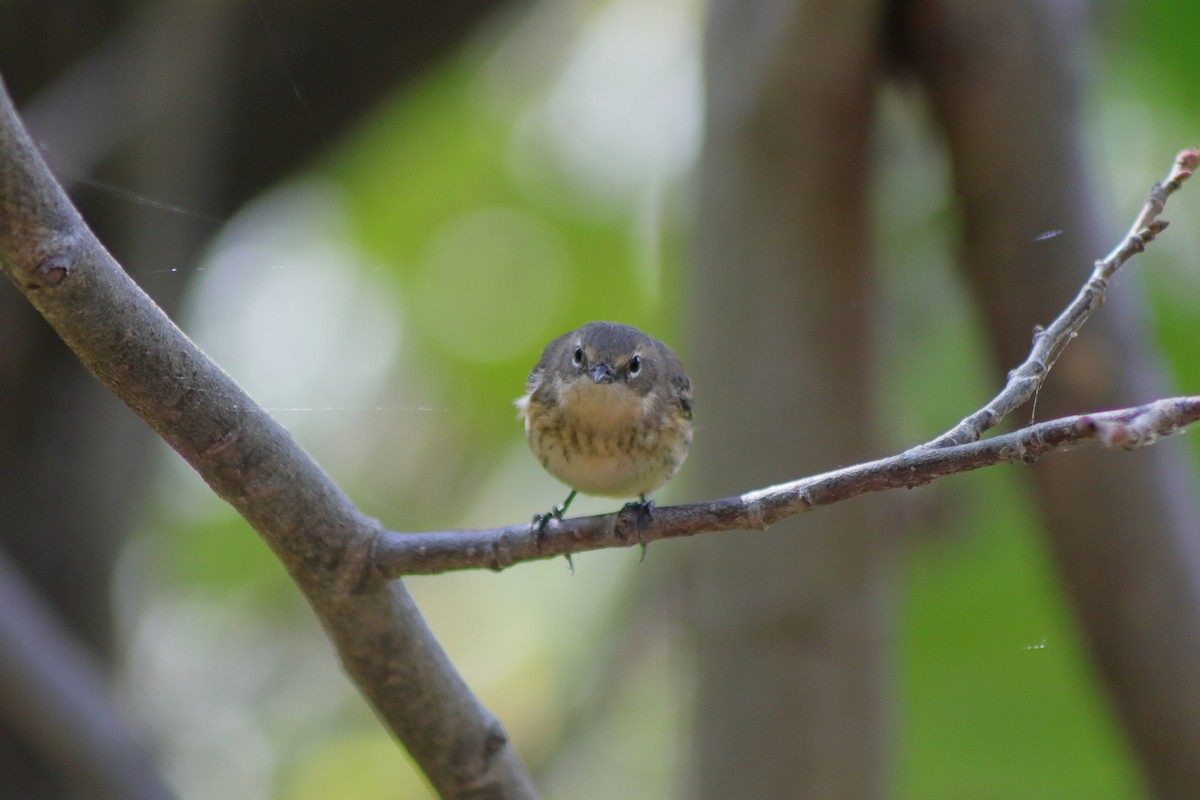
(609, 354)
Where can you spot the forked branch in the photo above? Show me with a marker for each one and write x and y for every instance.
(1049, 343)
(957, 450)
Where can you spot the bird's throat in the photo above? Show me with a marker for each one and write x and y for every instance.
(604, 406)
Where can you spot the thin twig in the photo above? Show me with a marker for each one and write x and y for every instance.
(1049, 343)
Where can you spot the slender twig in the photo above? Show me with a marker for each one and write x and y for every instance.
(1048, 343)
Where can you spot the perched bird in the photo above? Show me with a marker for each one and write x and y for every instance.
(608, 411)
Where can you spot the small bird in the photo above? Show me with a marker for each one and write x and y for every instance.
(608, 411)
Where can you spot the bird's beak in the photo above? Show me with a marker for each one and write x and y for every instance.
(601, 373)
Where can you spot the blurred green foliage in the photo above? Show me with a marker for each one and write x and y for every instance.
(999, 699)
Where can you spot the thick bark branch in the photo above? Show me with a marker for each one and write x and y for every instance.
(255, 465)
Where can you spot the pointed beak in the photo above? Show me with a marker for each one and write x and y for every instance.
(601, 373)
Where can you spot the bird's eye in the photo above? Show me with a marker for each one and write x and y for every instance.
(635, 365)
(577, 359)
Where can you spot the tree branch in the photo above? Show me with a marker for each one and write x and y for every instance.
(249, 460)
(1049, 343)
(958, 450)
(429, 553)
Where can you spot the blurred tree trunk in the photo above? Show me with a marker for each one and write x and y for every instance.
(1004, 81)
(792, 626)
(190, 104)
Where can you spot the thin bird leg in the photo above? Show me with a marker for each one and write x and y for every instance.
(540, 520)
(558, 512)
(645, 510)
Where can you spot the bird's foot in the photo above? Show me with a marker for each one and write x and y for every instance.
(540, 521)
(538, 526)
(643, 512)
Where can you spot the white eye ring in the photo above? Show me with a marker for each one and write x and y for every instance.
(635, 365)
(577, 359)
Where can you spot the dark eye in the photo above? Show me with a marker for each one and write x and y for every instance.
(635, 365)
(577, 359)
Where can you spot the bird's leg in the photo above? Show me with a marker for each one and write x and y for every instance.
(540, 520)
(558, 512)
